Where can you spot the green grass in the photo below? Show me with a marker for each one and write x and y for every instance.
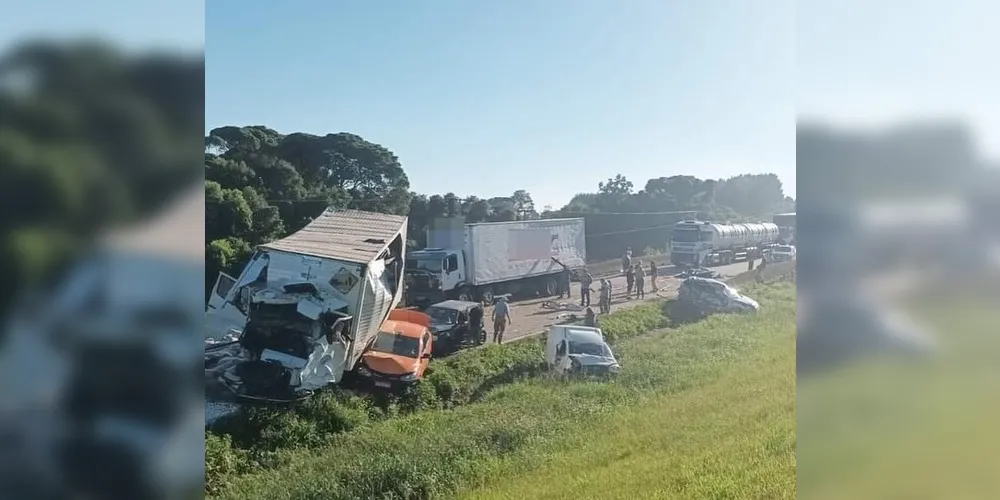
(891, 429)
(702, 411)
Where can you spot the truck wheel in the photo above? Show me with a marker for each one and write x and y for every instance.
(486, 295)
(550, 287)
(465, 294)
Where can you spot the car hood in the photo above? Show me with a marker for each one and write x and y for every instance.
(747, 301)
(591, 360)
(389, 364)
(441, 327)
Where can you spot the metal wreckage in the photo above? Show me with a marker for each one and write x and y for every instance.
(304, 308)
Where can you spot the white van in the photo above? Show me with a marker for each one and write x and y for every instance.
(579, 349)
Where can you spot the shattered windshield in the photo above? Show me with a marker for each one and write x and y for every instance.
(441, 315)
(590, 348)
(391, 343)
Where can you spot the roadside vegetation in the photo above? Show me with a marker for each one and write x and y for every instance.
(707, 409)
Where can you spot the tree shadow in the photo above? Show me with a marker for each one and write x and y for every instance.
(515, 373)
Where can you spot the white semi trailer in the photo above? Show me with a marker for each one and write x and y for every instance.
(703, 243)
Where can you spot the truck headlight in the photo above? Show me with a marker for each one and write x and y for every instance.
(409, 377)
(364, 372)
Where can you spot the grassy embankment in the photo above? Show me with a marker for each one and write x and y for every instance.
(700, 411)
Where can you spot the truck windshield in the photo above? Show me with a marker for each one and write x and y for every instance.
(441, 315)
(391, 343)
(429, 264)
(685, 235)
(590, 348)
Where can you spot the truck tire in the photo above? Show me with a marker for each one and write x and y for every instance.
(486, 294)
(465, 294)
(549, 287)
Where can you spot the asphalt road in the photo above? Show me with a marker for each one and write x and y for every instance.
(533, 316)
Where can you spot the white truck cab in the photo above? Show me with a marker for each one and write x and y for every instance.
(579, 349)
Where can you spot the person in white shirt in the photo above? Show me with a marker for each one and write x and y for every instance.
(501, 318)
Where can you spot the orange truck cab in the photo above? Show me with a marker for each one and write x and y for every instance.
(401, 351)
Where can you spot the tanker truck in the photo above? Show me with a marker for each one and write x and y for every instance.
(694, 243)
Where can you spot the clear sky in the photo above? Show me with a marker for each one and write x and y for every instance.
(550, 96)
(871, 63)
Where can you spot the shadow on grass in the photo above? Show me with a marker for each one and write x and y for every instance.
(515, 373)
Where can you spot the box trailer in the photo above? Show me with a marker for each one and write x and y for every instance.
(478, 261)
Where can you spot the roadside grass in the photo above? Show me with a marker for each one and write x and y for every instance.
(727, 422)
(731, 437)
(885, 428)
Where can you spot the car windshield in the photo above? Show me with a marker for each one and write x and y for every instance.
(685, 235)
(391, 343)
(441, 315)
(427, 264)
(591, 348)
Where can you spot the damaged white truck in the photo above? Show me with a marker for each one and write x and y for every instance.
(305, 307)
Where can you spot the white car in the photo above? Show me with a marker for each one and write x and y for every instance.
(782, 253)
(714, 296)
(579, 349)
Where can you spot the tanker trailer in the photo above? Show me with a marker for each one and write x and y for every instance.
(703, 243)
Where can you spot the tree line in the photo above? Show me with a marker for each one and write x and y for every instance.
(261, 184)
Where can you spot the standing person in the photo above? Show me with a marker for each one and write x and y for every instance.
(476, 324)
(501, 318)
(589, 319)
(640, 281)
(627, 260)
(605, 303)
(585, 281)
(652, 275)
(564, 280)
(629, 282)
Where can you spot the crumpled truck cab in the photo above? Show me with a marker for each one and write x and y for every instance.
(306, 306)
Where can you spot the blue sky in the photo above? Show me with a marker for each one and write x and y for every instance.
(488, 97)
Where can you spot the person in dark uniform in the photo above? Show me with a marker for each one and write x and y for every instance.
(589, 318)
(585, 282)
(629, 282)
(476, 324)
(564, 280)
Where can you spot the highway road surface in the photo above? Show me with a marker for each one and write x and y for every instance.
(531, 317)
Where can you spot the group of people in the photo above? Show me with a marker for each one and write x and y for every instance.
(635, 276)
(635, 280)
